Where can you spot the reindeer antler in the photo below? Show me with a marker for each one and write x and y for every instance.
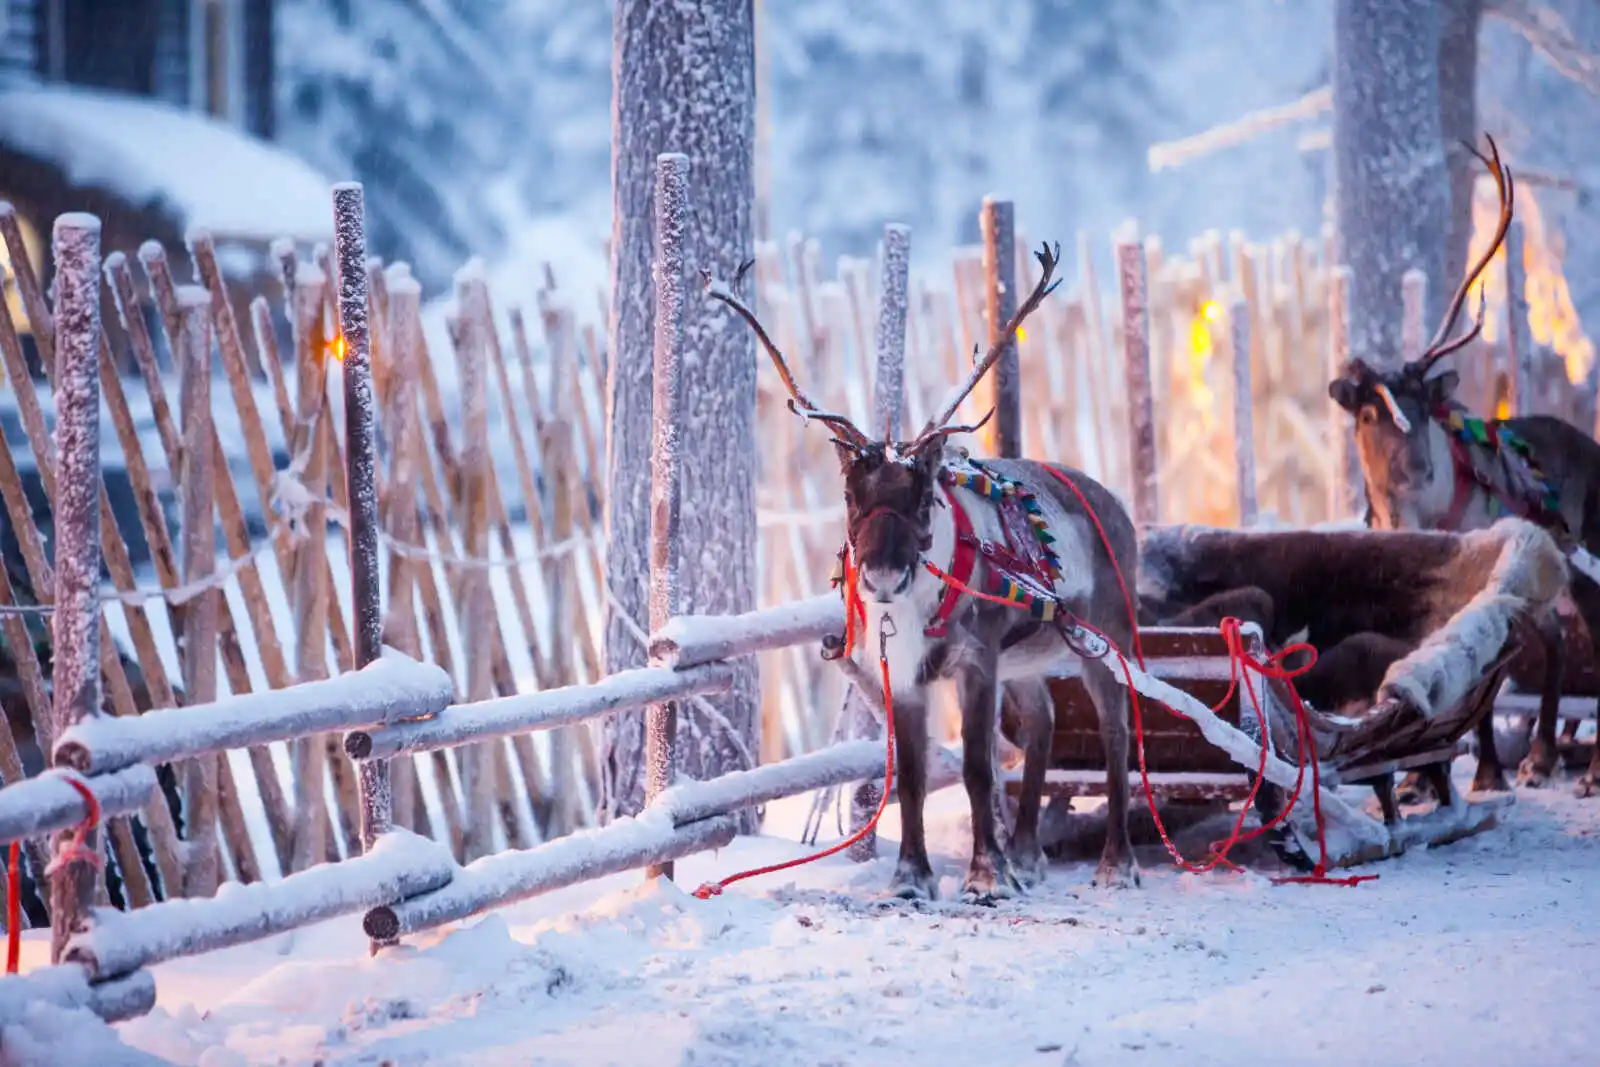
(939, 426)
(1505, 186)
(799, 403)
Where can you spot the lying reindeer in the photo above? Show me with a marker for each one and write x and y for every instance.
(1429, 465)
(926, 526)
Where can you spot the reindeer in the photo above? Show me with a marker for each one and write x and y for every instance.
(918, 546)
(1422, 471)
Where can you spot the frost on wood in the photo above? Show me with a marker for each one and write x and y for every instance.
(690, 640)
(667, 423)
(1134, 289)
(75, 630)
(47, 803)
(1004, 435)
(1347, 489)
(684, 77)
(67, 986)
(1413, 308)
(1391, 189)
(851, 761)
(400, 865)
(392, 689)
(893, 302)
(507, 877)
(544, 710)
(1244, 434)
(1519, 338)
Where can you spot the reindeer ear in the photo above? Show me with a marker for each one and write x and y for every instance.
(846, 454)
(1342, 391)
(1442, 387)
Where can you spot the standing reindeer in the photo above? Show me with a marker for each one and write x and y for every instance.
(1428, 464)
(928, 527)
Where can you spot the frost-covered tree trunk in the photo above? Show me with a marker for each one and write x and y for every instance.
(1391, 193)
(683, 81)
(1459, 22)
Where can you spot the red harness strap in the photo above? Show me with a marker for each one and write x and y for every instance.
(961, 566)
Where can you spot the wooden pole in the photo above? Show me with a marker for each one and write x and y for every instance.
(1345, 490)
(1244, 432)
(668, 412)
(198, 617)
(1141, 405)
(1003, 436)
(1519, 337)
(75, 628)
(361, 471)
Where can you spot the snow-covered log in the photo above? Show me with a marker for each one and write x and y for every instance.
(67, 986)
(852, 761)
(547, 709)
(392, 689)
(1244, 423)
(691, 640)
(75, 630)
(37, 806)
(401, 865)
(507, 877)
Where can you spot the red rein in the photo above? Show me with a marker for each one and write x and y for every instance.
(77, 849)
(1240, 664)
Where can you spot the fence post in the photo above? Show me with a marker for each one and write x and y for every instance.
(1413, 309)
(1003, 437)
(1344, 491)
(1519, 338)
(361, 463)
(1135, 293)
(1244, 424)
(889, 405)
(198, 625)
(75, 627)
(667, 412)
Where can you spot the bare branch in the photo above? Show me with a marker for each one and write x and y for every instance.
(1550, 36)
(1246, 128)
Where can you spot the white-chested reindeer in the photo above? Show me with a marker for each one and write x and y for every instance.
(926, 526)
(1429, 465)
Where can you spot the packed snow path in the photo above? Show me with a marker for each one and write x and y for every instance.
(1480, 953)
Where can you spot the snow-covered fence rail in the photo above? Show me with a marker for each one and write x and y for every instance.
(50, 803)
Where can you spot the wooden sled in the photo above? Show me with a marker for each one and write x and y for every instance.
(1461, 637)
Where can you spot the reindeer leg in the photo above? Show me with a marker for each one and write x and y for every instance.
(913, 876)
(1028, 717)
(989, 878)
(1117, 868)
(1589, 784)
(1490, 776)
(1540, 765)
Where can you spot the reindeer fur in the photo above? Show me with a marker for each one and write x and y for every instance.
(986, 645)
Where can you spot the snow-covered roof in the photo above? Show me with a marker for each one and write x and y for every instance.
(205, 172)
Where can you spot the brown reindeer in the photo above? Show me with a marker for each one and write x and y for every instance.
(916, 534)
(1429, 465)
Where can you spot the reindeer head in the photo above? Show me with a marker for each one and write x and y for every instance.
(1393, 409)
(890, 487)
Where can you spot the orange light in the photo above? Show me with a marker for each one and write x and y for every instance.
(1211, 311)
(1022, 335)
(336, 349)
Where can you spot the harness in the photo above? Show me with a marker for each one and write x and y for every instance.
(1511, 478)
(1021, 571)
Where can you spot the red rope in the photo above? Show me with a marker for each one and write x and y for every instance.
(711, 889)
(1240, 665)
(77, 850)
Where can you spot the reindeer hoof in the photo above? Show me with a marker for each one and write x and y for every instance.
(989, 883)
(1413, 789)
(1116, 874)
(1587, 786)
(1489, 783)
(913, 883)
(1028, 865)
(1534, 775)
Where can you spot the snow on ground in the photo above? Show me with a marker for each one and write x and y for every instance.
(1480, 953)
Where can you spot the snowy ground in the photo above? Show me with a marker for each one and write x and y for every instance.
(1481, 953)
